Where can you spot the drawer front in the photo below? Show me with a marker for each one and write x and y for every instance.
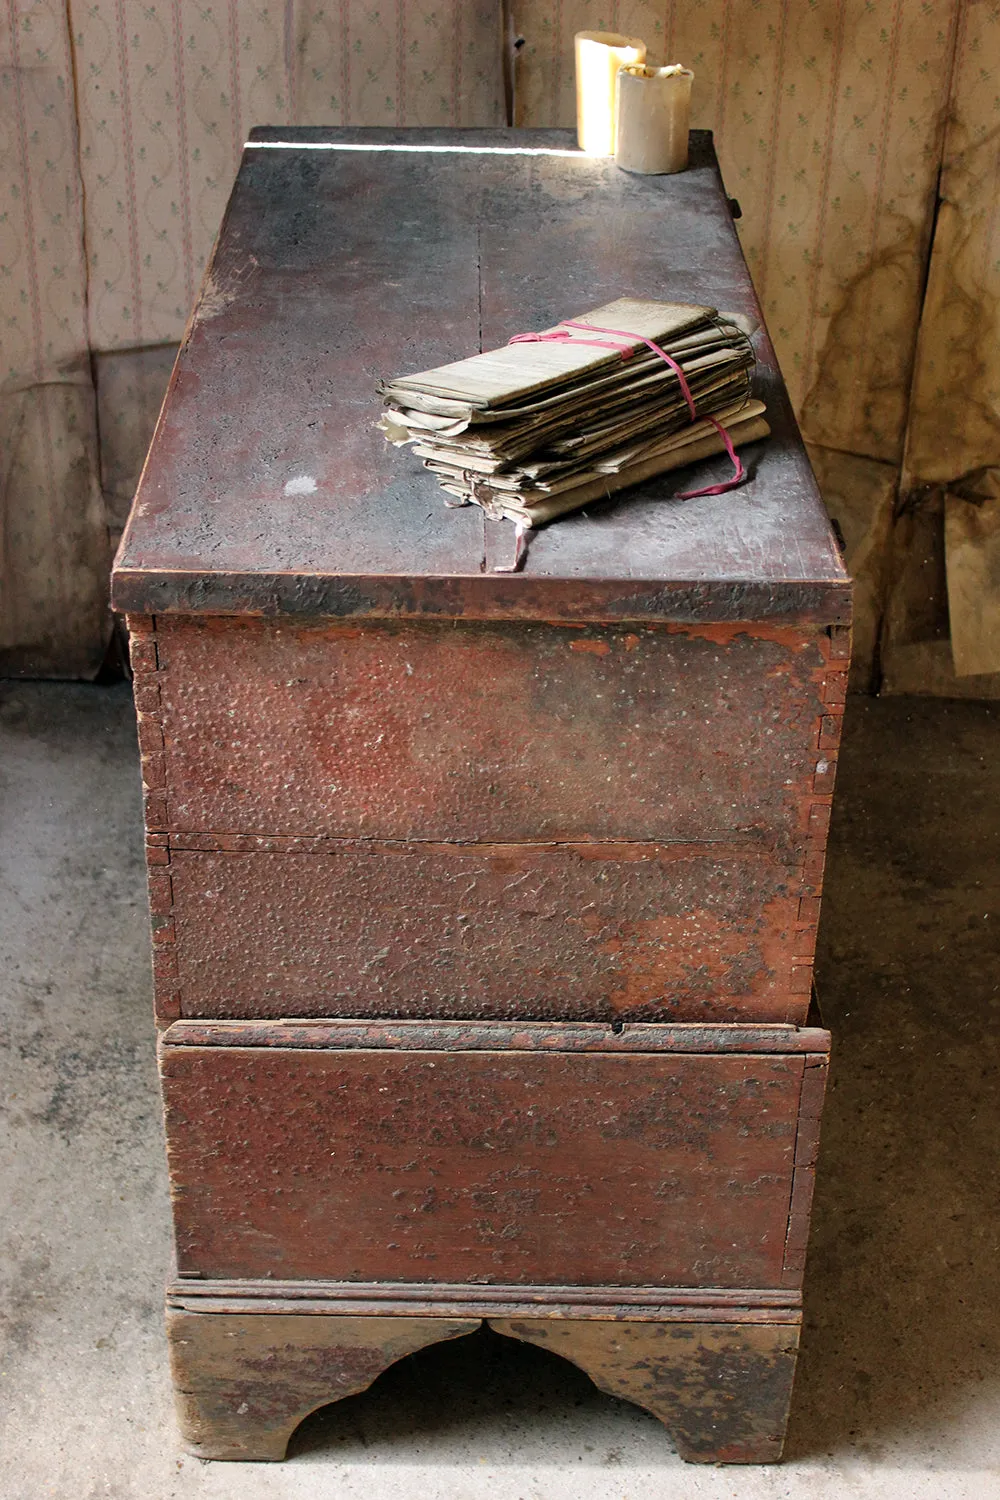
(514, 1167)
(488, 732)
(587, 932)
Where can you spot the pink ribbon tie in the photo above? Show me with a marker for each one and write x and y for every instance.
(558, 336)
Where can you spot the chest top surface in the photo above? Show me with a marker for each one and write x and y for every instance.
(346, 255)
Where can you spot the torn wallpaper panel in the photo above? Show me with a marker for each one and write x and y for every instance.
(54, 553)
(828, 120)
(972, 566)
(916, 650)
(41, 238)
(954, 429)
(955, 417)
(860, 494)
(130, 388)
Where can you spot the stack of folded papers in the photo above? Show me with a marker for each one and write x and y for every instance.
(556, 420)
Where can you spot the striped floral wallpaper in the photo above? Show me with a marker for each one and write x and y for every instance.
(54, 551)
(168, 92)
(828, 117)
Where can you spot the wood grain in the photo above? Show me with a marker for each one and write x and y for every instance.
(383, 781)
(589, 1169)
(336, 266)
(434, 1299)
(499, 1036)
(722, 1391)
(243, 1384)
(244, 1381)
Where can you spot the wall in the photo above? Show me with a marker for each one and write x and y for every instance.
(166, 97)
(54, 545)
(836, 120)
(830, 119)
(943, 623)
(120, 135)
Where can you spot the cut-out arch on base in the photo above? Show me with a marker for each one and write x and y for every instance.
(245, 1383)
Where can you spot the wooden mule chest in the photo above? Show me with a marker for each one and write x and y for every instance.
(483, 905)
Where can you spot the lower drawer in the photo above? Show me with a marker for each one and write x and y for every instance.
(525, 1154)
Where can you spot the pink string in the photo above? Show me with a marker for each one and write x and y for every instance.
(557, 336)
(520, 551)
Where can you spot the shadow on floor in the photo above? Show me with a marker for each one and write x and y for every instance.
(902, 1318)
(528, 1405)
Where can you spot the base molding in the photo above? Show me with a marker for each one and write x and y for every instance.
(251, 1360)
(435, 1300)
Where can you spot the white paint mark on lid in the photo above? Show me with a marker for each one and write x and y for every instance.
(302, 484)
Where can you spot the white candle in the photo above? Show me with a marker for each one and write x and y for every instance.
(653, 114)
(599, 55)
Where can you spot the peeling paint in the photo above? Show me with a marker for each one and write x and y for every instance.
(300, 484)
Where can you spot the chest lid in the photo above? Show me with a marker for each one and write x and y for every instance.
(348, 255)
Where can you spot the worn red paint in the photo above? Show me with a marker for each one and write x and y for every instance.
(595, 648)
(470, 1165)
(487, 732)
(586, 931)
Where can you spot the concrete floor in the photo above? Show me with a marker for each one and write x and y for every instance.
(899, 1385)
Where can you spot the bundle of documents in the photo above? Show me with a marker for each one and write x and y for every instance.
(568, 416)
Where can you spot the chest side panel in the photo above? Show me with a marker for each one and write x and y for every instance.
(455, 743)
(492, 732)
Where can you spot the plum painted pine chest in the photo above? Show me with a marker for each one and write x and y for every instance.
(483, 905)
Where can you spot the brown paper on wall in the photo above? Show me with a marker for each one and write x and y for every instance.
(916, 650)
(953, 438)
(54, 554)
(954, 423)
(972, 561)
(859, 494)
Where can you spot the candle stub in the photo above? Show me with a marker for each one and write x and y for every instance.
(653, 113)
(599, 55)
